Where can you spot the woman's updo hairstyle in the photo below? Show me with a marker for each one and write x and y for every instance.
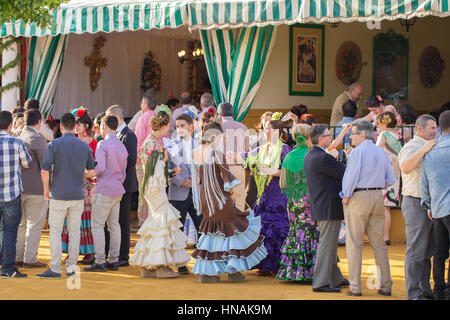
(387, 118)
(159, 120)
(279, 125)
(82, 116)
(209, 130)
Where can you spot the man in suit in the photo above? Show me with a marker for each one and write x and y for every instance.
(324, 177)
(129, 139)
(180, 187)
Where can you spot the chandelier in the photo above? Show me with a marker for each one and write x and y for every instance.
(196, 55)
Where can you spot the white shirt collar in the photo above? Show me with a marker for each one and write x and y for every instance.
(122, 126)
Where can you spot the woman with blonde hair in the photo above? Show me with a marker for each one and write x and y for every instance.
(389, 140)
(162, 243)
(298, 253)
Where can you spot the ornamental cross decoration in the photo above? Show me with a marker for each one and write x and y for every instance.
(96, 61)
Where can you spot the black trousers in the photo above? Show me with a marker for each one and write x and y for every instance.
(124, 222)
(187, 206)
(441, 232)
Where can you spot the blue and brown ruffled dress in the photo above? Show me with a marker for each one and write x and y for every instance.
(230, 240)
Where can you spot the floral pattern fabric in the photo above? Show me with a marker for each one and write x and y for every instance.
(298, 253)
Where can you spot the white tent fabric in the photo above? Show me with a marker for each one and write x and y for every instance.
(121, 79)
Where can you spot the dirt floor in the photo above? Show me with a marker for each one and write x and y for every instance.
(126, 284)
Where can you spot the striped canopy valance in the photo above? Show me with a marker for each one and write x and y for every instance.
(80, 16)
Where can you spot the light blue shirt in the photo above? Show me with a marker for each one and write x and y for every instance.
(368, 166)
(435, 177)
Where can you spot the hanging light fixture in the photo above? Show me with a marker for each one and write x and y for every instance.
(408, 23)
(196, 54)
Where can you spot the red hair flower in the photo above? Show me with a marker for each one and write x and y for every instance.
(50, 118)
(211, 111)
(80, 113)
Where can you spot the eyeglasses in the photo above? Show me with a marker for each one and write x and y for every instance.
(354, 133)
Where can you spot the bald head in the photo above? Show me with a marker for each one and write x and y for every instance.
(186, 98)
(115, 110)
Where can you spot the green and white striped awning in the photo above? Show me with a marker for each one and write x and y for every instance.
(80, 16)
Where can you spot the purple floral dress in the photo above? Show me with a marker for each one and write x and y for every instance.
(298, 253)
(272, 209)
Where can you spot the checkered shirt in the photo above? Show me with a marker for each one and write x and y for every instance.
(13, 153)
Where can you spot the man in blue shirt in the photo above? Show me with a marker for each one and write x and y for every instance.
(368, 172)
(435, 194)
(13, 153)
(68, 158)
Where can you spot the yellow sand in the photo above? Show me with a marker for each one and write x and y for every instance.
(127, 283)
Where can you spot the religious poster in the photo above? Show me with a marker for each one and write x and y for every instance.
(306, 60)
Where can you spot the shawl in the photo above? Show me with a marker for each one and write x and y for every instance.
(272, 161)
(292, 179)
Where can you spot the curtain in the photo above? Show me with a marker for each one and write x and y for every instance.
(235, 61)
(120, 80)
(45, 59)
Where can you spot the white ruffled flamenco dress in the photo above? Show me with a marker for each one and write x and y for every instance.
(162, 243)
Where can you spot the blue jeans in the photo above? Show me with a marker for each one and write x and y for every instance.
(10, 215)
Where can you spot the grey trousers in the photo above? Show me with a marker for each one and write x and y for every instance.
(418, 248)
(326, 270)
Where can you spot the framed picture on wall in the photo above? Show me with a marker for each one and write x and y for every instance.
(306, 59)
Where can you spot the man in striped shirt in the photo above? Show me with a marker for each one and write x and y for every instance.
(13, 153)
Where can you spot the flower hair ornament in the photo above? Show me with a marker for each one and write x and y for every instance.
(386, 119)
(190, 113)
(277, 116)
(171, 96)
(80, 113)
(211, 111)
(300, 140)
(163, 108)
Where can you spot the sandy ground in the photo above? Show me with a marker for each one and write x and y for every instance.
(126, 284)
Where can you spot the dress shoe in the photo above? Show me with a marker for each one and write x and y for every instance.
(384, 293)
(429, 295)
(263, 273)
(344, 283)
(112, 266)
(419, 298)
(183, 270)
(354, 294)
(123, 263)
(35, 265)
(327, 289)
(88, 259)
(95, 267)
(19, 264)
(388, 242)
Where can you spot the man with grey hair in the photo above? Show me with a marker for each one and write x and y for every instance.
(324, 178)
(418, 227)
(148, 101)
(354, 92)
(206, 102)
(186, 101)
(236, 140)
(368, 172)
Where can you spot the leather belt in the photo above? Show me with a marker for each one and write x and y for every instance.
(365, 189)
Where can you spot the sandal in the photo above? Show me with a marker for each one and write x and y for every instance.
(236, 277)
(146, 273)
(166, 272)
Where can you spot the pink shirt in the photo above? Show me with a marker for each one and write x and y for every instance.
(111, 157)
(143, 129)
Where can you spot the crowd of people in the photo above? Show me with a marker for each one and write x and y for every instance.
(307, 182)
